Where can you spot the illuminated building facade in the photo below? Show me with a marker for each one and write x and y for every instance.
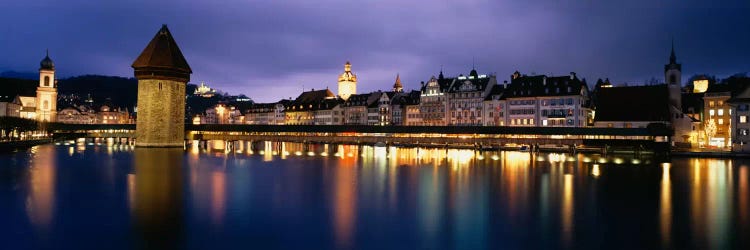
(46, 92)
(738, 115)
(266, 113)
(162, 74)
(561, 101)
(301, 111)
(465, 98)
(10, 106)
(356, 108)
(717, 124)
(347, 82)
(433, 101)
(494, 107)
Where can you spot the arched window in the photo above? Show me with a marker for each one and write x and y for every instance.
(46, 81)
(45, 106)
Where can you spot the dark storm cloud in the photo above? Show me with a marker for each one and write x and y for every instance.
(272, 49)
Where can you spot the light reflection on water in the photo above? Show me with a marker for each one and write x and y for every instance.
(291, 195)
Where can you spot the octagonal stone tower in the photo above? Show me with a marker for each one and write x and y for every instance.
(162, 74)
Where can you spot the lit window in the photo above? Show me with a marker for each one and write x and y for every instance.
(721, 112)
(544, 122)
(711, 112)
(711, 104)
(743, 119)
(721, 121)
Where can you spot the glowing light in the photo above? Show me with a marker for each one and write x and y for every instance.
(298, 153)
(602, 160)
(310, 153)
(586, 159)
(571, 158)
(323, 154)
(480, 157)
(618, 161)
(261, 152)
(495, 157)
(540, 158)
(595, 171)
(636, 161)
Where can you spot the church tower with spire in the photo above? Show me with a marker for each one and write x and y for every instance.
(46, 92)
(347, 82)
(673, 78)
(162, 74)
(397, 87)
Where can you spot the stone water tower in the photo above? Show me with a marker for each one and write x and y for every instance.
(162, 74)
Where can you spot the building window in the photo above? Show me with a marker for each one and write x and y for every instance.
(46, 81)
(711, 112)
(721, 121)
(711, 104)
(721, 112)
(743, 119)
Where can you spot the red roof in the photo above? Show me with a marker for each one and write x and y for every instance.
(162, 59)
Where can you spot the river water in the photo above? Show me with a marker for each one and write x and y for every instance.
(264, 195)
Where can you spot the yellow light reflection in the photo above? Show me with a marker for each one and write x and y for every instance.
(41, 200)
(595, 171)
(665, 205)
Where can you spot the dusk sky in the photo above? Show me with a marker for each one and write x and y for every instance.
(272, 49)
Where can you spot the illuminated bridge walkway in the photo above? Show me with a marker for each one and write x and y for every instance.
(491, 137)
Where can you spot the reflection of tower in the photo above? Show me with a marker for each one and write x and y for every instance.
(41, 200)
(162, 74)
(46, 92)
(347, 82)
(672, 76)
(158, 197)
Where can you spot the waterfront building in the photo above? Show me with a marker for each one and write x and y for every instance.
(411, 107)
(10, 106)
(561, 101)
(433, 101)
(465, 98)
(718, 123)
(738, 115)
(43, 106)
(223, 114)
(46, 92)
(347, 82)
(399, 103)
(494, 107)
(266, 113)
(77, 115)
(379, 111)
(162, 74)
(329, 112)
(356, 108)
(301, 111)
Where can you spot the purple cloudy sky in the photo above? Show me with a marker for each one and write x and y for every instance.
(270, 49)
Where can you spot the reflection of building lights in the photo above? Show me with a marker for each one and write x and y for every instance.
(323, 154)
(602, 160)
(618, 161)
(310, 153)
(298, 153)
(495, 157)
(586, 159)
(636, 161)
(595, 170)
(540, 158)
(571, 158)
(480, 157)
(261, 152)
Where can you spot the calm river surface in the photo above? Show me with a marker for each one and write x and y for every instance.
(82, 195)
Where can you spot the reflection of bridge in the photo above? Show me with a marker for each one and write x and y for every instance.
(653, 138)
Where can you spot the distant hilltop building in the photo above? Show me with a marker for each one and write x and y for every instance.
(204, 91)
(347, 82)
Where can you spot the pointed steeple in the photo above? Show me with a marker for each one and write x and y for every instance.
(397, 87)
(441, 73)
(672, 57)
(162, 59)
